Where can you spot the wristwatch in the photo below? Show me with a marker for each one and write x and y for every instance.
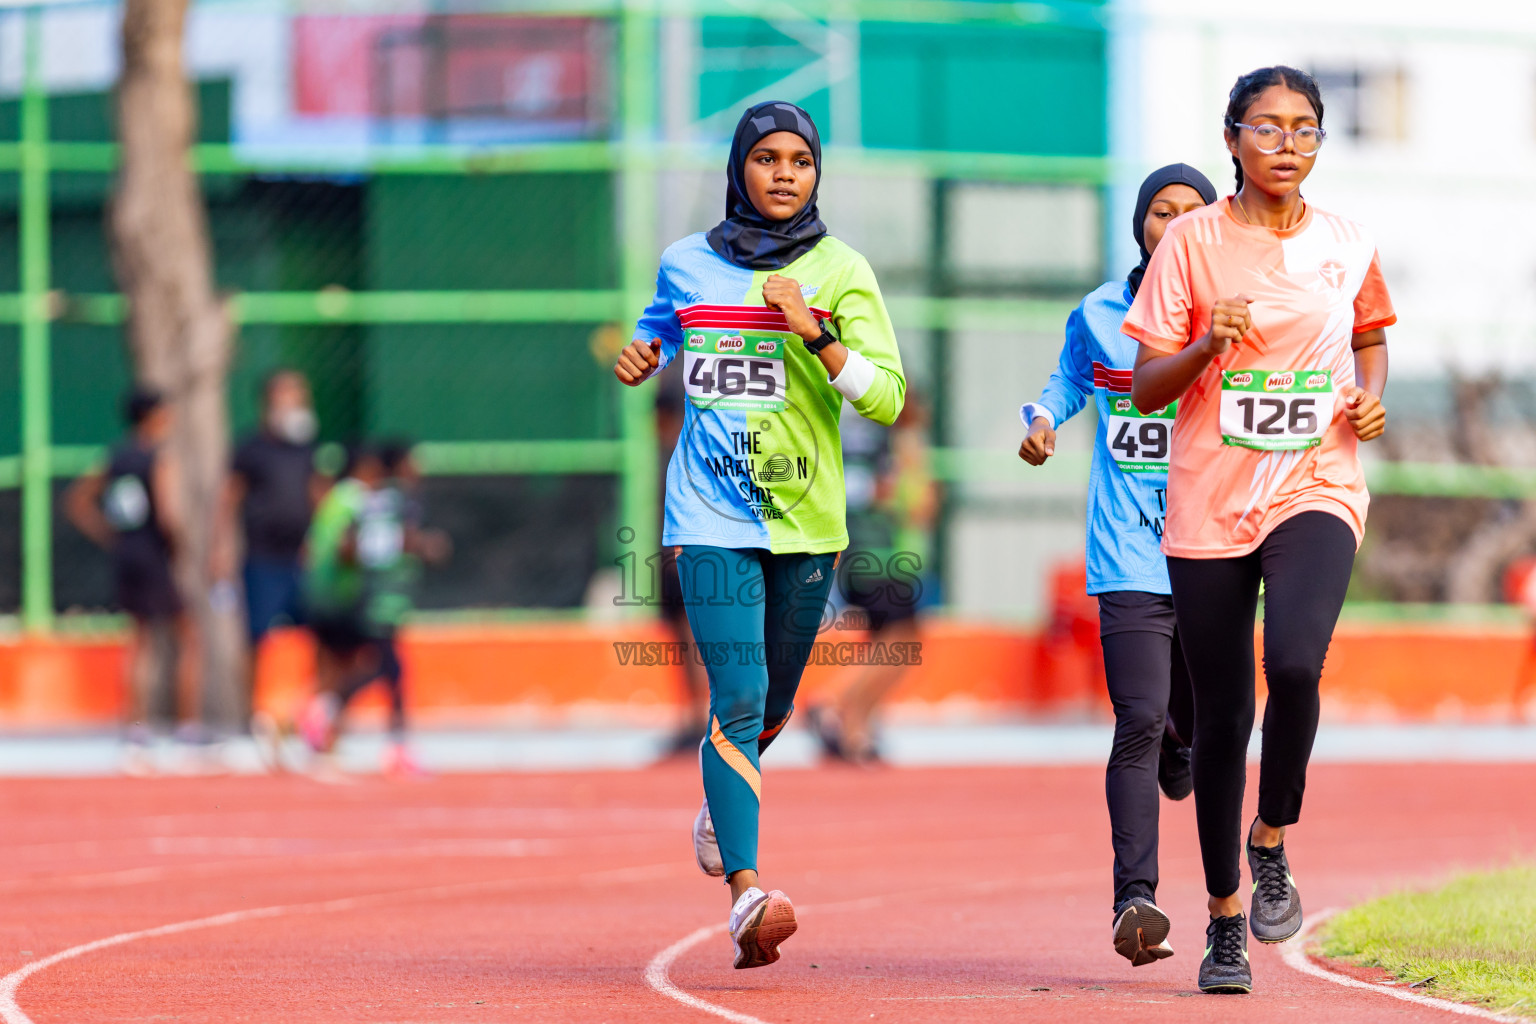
(826, 338)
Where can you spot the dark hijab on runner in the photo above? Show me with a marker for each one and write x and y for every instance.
(747, 238)
(1173, 174)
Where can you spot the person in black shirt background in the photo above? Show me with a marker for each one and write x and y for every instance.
(132, 508)
(271, 492)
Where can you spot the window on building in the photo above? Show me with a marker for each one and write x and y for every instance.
(1365, 104)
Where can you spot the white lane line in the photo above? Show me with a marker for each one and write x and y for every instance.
(656, 971)
(1295, 956)
(661, 963)
(12, 1013)
(656, 977)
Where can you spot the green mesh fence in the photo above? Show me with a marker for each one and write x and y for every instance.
(452, 231)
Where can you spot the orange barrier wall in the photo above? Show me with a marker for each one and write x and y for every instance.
(547, 672)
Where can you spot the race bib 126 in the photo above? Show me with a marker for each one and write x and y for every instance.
(1276, 410)
(1139, 443)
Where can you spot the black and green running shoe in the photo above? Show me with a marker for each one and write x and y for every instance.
(1225, 970)
(1276, 912)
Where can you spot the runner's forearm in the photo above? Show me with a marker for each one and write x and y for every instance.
(1371, 361)
(1071, 384)
(1162, 378)
(834, 357)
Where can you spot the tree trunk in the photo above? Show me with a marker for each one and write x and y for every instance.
(179, 333)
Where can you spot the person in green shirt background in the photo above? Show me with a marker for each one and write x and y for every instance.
(885, 576)
(363, 559)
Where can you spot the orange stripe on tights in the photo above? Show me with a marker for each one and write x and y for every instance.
(735, 758)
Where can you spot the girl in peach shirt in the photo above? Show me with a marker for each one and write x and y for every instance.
(1265, 319)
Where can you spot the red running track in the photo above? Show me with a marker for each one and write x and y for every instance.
(926, 895)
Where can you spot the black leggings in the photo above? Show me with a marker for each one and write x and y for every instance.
(382, 661)
(1305, 564)
(1149, 686)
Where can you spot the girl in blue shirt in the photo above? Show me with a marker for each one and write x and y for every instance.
(1127, 491)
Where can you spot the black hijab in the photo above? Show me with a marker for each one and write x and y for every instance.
(747, 238)
(1173, 174)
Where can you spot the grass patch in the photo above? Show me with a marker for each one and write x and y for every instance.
(1473, 940)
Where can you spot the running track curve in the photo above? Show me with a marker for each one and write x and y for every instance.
(926, 895)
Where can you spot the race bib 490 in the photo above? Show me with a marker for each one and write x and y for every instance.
(1276, 410)
(1139, 443)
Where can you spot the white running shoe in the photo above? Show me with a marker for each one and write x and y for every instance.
(1141, 932)
(139, 761)
(268, 734)
(760, 921)
(324, 769)
(706, 848)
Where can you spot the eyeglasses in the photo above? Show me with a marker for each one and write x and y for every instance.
(1269, 138)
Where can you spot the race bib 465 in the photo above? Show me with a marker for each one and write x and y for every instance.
(726, 370)
(733, 356)
(1276, 410)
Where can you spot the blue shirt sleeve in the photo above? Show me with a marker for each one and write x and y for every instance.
(659, 321)
(1071, 383)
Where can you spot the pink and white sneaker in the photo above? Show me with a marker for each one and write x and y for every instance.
(400, 763)
(314, 724)
(760, 921)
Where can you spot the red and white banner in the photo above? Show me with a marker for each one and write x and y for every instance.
(487, 67)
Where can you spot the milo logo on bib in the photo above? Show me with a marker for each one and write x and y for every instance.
(734, 358)
(1276, 410)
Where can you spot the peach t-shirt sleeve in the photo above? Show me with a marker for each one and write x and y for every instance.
(1159, 317)
(1373, 306)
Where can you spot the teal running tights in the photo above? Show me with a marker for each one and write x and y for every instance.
(755, 616)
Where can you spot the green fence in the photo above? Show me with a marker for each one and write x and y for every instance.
(471, 294)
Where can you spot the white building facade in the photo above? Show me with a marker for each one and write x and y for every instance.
(1431, 113)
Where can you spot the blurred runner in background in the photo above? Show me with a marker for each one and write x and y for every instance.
(1520, 589)
(272, 491)
(892, 505)
(364, 556)
(132, 508)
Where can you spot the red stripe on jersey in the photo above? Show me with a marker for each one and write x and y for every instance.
(1110, 379)
(761, 317)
